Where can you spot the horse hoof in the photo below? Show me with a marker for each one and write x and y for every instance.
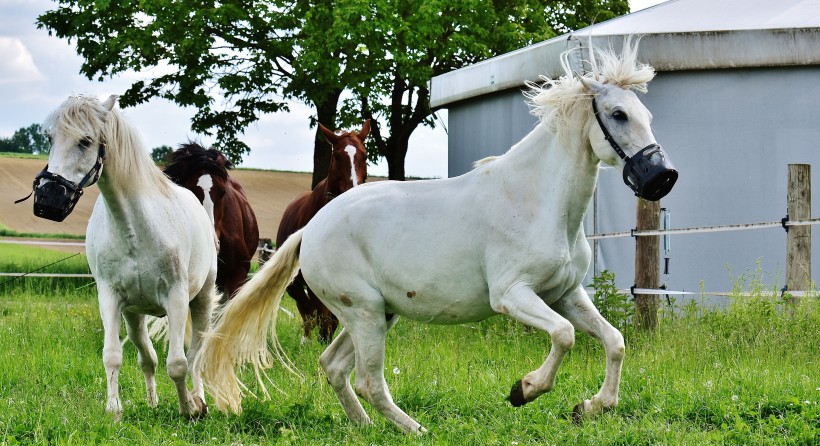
(201, 409)
(578, 413)
(516, 397)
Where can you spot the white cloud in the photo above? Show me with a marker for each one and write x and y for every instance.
(16, 63)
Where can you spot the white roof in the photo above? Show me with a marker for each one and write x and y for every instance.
(677, 35)
(685, 16)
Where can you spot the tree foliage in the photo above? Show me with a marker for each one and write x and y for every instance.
(159, 154)
(29, 139)
(234, 60)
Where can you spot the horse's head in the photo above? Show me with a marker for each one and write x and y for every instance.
(75, 160)
(348, 163)
(205, 173)
(621, 136)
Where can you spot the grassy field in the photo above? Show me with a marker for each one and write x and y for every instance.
(748, 375)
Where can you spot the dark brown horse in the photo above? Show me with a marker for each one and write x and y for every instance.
(348, 168)
(200, 170)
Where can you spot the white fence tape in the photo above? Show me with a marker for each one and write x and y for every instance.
(723, 228)
(659, 292)
(633, 233)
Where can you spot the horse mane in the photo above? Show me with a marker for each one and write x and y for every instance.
(192, 157)
(128, 166)
(564, 104)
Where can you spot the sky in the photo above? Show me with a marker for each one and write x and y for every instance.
(38, 72)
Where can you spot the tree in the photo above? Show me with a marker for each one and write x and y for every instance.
(234, 60)
(31, 139)
(159, 154)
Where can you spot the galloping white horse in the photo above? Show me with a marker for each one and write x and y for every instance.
(150, 243)
(504, 238)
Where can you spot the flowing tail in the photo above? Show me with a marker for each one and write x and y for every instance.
(240, 333)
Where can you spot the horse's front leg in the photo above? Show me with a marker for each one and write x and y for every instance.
(522, 304)
(110, 313)
(578, 309)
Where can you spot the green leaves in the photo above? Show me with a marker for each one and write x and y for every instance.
(235, 60)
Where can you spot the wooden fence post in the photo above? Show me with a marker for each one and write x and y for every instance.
(798, 238)
(647, 264)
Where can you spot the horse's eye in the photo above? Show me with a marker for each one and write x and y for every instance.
(85, 143)
(619, 115)
(50, 140)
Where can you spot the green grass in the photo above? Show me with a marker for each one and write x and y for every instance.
(6, 232)
(23, 155)
(749, 375)
(26, 258)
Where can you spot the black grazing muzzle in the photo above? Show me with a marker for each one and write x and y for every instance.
(648, 173)
(55, 198)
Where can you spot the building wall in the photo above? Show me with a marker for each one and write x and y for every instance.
(730, 133)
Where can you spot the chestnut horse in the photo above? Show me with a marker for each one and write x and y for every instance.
(205, 173)
(348, 169)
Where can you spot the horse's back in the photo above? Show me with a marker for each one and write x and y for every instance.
(400, 238)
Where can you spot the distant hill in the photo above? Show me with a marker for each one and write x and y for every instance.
(268, 191)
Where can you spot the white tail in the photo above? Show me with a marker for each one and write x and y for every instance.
(240, 333)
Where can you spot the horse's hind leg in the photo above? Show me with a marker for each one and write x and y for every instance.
(337, 361)
(368, 332)
(201, 307)
(578, 308)
(296, 290)
(325, 318)
(112, 348)
(177, 363)
(146, 355)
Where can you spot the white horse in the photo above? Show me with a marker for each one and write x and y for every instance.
(504, 238)
(150, 243)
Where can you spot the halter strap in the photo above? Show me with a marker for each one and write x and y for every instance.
(96, 170)
(607, 135)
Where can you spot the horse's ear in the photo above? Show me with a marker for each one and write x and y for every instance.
(329, 136)
(365, 130)
(110, 102)
(591, 85)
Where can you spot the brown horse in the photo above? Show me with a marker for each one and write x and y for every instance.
(205, 172)
(348, 168)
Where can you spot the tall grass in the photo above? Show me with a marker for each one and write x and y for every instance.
(749, 374)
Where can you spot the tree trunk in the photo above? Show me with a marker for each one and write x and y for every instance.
(647, 265)
(326, 115)
(396, 154)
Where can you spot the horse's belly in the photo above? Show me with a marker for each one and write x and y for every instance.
(434, 308)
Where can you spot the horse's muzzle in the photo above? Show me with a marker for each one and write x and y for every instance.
(649, 173)
(55, 199)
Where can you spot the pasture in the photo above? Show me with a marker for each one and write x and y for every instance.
(748, 375)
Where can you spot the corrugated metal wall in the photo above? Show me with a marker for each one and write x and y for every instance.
(730, 133)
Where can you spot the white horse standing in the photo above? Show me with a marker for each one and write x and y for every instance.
(149, 242)
(505, 238)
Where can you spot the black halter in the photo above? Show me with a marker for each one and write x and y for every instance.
(648, 173)
(55, 199)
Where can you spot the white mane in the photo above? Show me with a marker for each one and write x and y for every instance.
(128, 166)
(564, 105)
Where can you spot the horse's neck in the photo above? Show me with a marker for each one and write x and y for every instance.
(122, 207)
(562, 177)
(333, 181)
